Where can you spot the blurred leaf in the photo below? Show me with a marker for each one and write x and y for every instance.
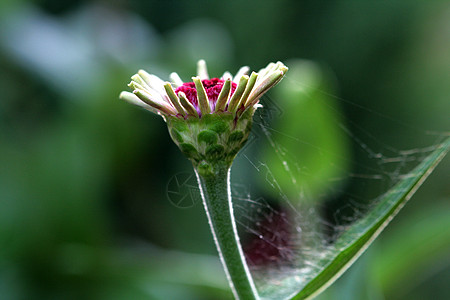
(413, 252)
(143, 271)
(352, 243)
(355, 284)
(309, 151)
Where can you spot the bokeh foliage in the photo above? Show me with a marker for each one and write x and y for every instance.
(83, 177)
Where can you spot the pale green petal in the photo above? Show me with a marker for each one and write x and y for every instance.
(242, 71)
(174, 98)
(133, 99)
(176, 79)
(224, 95)
(202, 70)
(203, 101)
(234, 101)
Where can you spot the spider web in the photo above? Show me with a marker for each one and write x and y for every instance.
(284, 237)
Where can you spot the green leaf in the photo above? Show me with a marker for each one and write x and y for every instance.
(311, 151)
(353, 242)
(414, 251)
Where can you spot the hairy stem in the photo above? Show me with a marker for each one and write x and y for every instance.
(216, 195)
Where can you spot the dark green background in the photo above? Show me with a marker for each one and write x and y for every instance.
(83, 177)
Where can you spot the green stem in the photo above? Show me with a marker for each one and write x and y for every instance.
(216, 195)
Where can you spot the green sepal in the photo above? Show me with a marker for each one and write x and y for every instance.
(207, 136)
(213, 139)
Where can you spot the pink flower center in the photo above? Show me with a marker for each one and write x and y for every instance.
(212, 87)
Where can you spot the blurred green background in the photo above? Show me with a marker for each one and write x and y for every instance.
(84, 209)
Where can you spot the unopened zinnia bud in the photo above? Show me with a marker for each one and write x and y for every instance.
(208, 118)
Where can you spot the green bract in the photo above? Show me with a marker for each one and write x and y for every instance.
(212, 139)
